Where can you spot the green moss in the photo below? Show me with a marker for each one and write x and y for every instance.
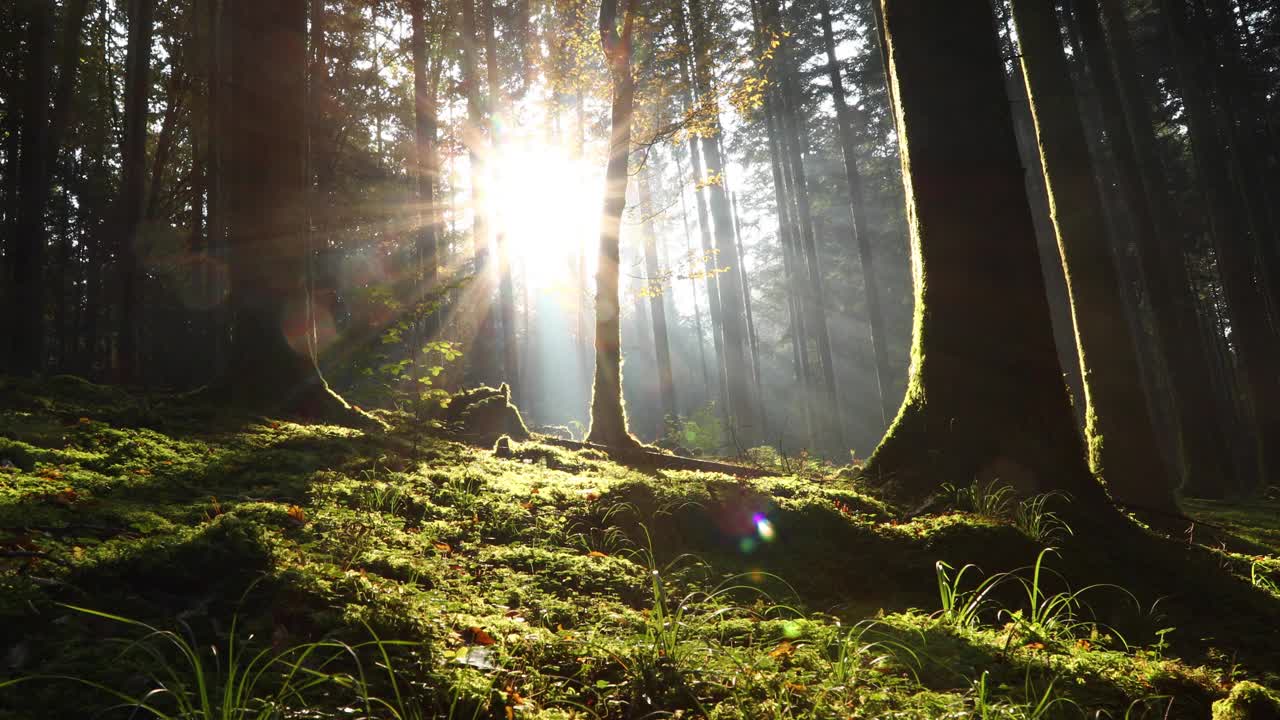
(629, 591)
(1247, 701)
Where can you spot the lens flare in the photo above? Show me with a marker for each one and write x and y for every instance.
(764, 528)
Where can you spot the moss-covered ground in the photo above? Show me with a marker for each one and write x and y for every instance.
(409, 575)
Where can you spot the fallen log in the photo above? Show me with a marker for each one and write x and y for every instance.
(649, 458)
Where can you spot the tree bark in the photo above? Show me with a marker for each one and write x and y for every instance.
(985, 396)
(506, 291)
(608, 418)
(1118, 430)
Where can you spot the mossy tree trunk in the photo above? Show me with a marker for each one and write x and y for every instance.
(1118, 429)
(608, 418)
(985, 394)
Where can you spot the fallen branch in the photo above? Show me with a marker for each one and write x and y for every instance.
(660, 460)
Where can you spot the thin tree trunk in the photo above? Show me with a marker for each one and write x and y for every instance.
(1119, 433)
(27, 249)
(506, 292)
(485, 347)
(608, 418)
(710, 266)
(424, 94)
(657, 310)
(132, 183)
(754, 341)
(217, 244)
(693, 282)
(742, 409)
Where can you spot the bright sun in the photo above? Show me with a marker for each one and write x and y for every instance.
(547, 204)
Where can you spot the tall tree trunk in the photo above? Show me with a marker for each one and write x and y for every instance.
(27, 249)
(858, 231)
(133, 183)
(658, 311)
(216, 247)
(1203, 455)
(710, 266)
(1121, 441)
(753, 342)
(424, 96)
(788, 231)
(982, 349)
(174, 96)
(741, 401)
(608, 418)
(1250, 147)
(693, 282)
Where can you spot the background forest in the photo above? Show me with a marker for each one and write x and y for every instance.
(444, 146)
(640, 358)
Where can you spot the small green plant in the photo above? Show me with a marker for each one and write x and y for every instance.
(385, 498)
(997, 501)
(962, 609)
(991, 499)
(1032, 517)
(604, 535)
(1035, 704)
(856, 649)
(1260, 579)
(1050, 617)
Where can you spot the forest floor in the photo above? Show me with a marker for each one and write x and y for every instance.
(244, 562)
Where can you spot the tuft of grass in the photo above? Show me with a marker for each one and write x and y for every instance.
(1037, 522)
(963, 609)
(996, 501)
(188, 683)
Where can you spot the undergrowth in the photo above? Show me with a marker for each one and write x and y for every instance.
(411, 576)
